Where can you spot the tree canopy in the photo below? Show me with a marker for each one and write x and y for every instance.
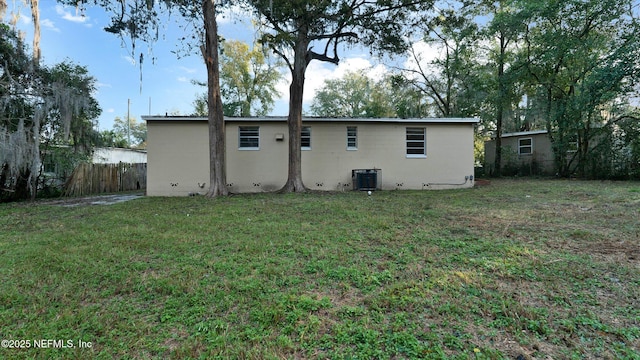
(39, 107)
(248, 80)
(354, 95)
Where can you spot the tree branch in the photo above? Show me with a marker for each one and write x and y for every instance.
(323, 57)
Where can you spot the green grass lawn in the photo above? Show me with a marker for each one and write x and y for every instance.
(517, 268)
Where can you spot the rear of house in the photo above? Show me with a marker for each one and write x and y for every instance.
(337, 154)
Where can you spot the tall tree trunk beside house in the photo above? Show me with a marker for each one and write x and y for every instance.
(505, 29)
(301, 61)
(500, 104)
(217, 171)
(142, 20)
(297, 26)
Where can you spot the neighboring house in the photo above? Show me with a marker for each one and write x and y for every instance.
(523, 153)
(113, 155)
(337, 154)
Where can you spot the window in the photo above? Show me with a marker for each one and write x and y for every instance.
(352, 138)
(249, 137)
(416, 143)
(572, 145)
(525, 146)
(305, 138)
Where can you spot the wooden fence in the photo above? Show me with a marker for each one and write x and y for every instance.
(88, 179)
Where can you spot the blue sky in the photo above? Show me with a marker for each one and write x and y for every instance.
(166, 81)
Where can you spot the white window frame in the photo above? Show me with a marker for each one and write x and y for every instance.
(305, 136)
(572, 145)
(530, 146)
(410, 150)
(352, 138)
(242, 136)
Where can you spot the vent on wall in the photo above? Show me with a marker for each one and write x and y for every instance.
(365, 179)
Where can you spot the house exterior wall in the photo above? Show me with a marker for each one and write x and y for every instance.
(539, 162)
(177, 158)
(118, 155)
(178, 154)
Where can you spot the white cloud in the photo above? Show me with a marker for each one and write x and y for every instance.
(110, 110)
(23, 19)
(232, 14)
(49, 25)
(425, 53)
(182, 79)
(188, 70)
(318, 72)
(78, 17)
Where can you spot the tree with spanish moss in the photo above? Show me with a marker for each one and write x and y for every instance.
(142, 20)
(39, 107)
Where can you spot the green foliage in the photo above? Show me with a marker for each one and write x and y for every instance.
(490, 273)
(582, 57)
(355, 95)
(133, 134)
(111, 138)
(248, 80)
(41, 110)
(450, 80)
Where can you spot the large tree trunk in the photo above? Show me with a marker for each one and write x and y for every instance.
(294, 121)
(217, 174)
(35, 15)
(502, 93)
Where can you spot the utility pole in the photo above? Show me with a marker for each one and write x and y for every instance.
(128, 123)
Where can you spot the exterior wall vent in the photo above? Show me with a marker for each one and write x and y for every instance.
(366, 179)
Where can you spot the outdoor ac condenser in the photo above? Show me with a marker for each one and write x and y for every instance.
(365, 179)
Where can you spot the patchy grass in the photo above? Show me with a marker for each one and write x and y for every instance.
(528, 269)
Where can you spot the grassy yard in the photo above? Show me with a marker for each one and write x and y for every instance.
(515, 269)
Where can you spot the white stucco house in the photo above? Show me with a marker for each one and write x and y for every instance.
(337, 154)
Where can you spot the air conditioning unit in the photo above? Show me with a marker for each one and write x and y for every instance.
(365, 179)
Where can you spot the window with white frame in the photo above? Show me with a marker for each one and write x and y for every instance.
(249, 137)
(416, 142)
(525, 146)
(352, 138)
(572, 145)
(305, 138)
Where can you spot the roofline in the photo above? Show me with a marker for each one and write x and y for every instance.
(314, 119)
(522, 133)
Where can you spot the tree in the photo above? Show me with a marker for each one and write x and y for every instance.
(248, 80)
(354, 95)
(503, 31)
(35, 16)
(39, 107)
(133, 130)
(449, 79)
(142, 20)
(111, 138)
(583, 59)
(295, 28)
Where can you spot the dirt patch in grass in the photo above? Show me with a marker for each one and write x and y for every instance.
(609, 251)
